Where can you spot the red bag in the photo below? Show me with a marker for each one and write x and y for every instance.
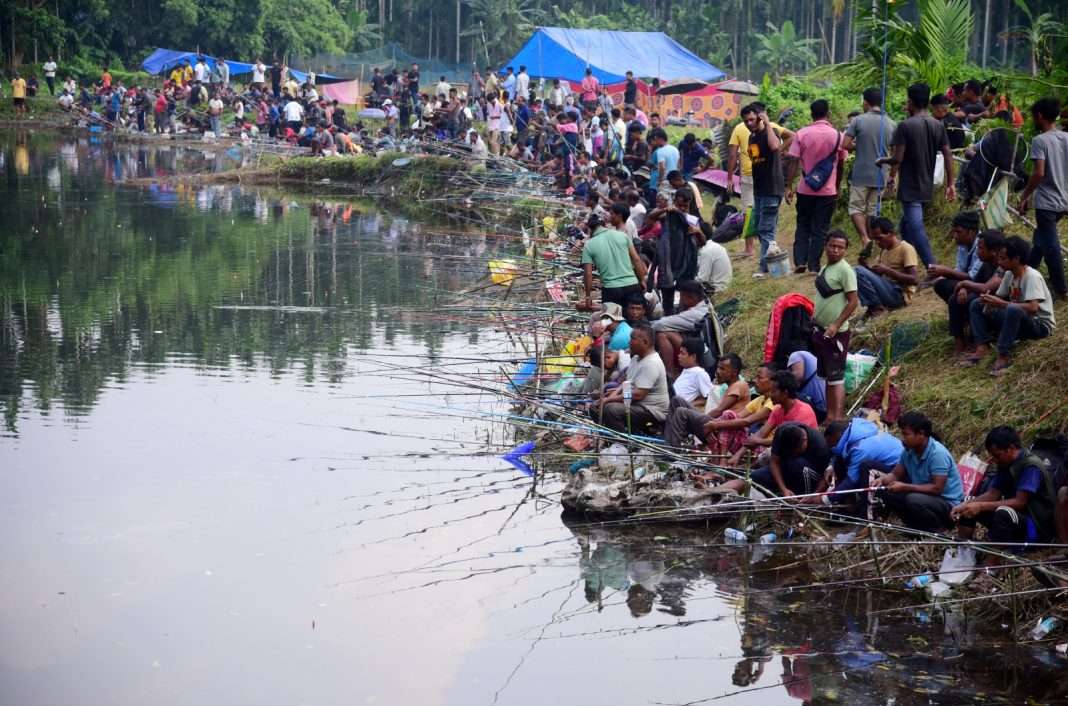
(893, 406)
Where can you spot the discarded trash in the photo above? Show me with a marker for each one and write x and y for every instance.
(768, 538)
(957, 565)
(580, 464)
(735, 536)
(918, 581)
(514, 457)
(1044, 627)
(1062, 649)
(844, 537)
(938, 589)
(527, 370)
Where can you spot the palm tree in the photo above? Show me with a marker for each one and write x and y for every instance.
(503, 24)
(781, 49)
(1038, 32)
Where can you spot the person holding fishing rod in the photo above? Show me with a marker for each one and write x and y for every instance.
(612, 253)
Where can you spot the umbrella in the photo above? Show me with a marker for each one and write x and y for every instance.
(714, 177)
(372, 113)
(738, 86)
(682, 85)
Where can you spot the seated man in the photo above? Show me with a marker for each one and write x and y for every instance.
(799, 457)
(858, 447)
(963, 291)
(925, 484)
(714, 269)
(670, 329)
(891, 281)
(635, 309)
(693, 384)
(965, 233)
(811, 387)
(686, 420)
(649, 389)
(1021, 309)
(604, 369)
(1018, 504)
(615, 327)
(788, 408)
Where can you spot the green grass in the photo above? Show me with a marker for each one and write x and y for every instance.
(38, 107)
(963, 402)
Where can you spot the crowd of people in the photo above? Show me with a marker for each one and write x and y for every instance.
(649, 356)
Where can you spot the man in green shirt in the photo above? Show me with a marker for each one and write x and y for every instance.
(614, 256)
(836, 300)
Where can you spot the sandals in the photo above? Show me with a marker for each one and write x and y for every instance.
(1000, 369)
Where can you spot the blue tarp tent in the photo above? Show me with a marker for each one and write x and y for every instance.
(556, 52)
(163, 60)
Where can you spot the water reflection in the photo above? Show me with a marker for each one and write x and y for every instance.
(96, 279)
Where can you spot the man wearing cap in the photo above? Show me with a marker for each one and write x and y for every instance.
(616, 328)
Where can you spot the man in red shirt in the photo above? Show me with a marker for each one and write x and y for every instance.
(818, 149)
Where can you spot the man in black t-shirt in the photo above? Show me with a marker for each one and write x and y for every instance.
(799, 458)
(413, 82)
(954, 127)
(276, 79)
(765, 149)
(916, 142)
(630, 92)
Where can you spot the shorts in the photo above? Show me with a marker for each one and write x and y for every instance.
(618, 295)
(830, 355)
(863, 199)
(747, 192)
(19, 102)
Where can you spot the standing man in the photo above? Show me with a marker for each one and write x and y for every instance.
(508, 84)
(590, 86)
(276, 77)
(18, 94)
(493, 84)
(1049, 187)
(50, 74)
(616, 260)
(413, 83)
(630, 91)
(836, 300)
(768, 186)
(867, 137)
(665, 158)
(522, 85)
(916, 141)
(818, 151)
(738, 155)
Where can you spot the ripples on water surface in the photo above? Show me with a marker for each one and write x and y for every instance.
(225, 479)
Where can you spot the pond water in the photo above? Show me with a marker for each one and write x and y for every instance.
(247, 458)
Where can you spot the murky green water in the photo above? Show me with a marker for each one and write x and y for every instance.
(226, 478)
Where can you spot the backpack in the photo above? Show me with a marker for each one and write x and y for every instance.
(817, 178)
(711, 334)
(795, 331)
(1054, 451)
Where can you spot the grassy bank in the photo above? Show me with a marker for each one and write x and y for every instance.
(39, 109)
(375, 174)
(963, 402)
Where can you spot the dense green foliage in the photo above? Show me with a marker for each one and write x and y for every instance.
(745, 37)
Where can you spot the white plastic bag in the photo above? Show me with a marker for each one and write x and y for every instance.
(957, 565)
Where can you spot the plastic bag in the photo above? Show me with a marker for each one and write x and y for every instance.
(957, 565)
(858, 368)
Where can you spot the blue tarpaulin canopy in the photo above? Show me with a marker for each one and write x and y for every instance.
(557, 52)
(163, 60)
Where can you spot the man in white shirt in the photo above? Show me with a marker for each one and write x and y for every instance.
(522, 83)
(294, 112)
(637, 209)
(200, 71)
(442, 88)
(714, 269)
(50, 75)
(259, 71)
(215, 109)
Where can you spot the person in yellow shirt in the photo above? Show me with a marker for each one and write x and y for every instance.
(738, 150)
(178, 76)
(18, 92)
(187, 72)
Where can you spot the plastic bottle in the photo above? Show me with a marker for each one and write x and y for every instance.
(768, 538)
(1044, 627)
(918, 581)
(734, 536)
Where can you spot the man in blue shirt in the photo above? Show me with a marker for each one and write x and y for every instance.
(665, 157)
(925, 484)
(858, 447)
(1018, 504)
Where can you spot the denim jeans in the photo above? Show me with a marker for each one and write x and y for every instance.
(216, 125)
(876, 290)
(913, 231)
(766, 215)
(1047, 245)
(1012, 324)
(813, 221)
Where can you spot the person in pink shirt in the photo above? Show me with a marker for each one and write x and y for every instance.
(818, 150)
(590, 84)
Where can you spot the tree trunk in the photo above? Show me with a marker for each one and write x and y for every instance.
(986, 32)
(457, 32)
(1005, 37)
(834, 36)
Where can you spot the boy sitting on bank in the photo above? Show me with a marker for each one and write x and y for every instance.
(1021, 309)
(891, 281)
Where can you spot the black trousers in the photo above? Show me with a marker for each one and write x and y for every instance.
(927, 513)
(813, 221)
